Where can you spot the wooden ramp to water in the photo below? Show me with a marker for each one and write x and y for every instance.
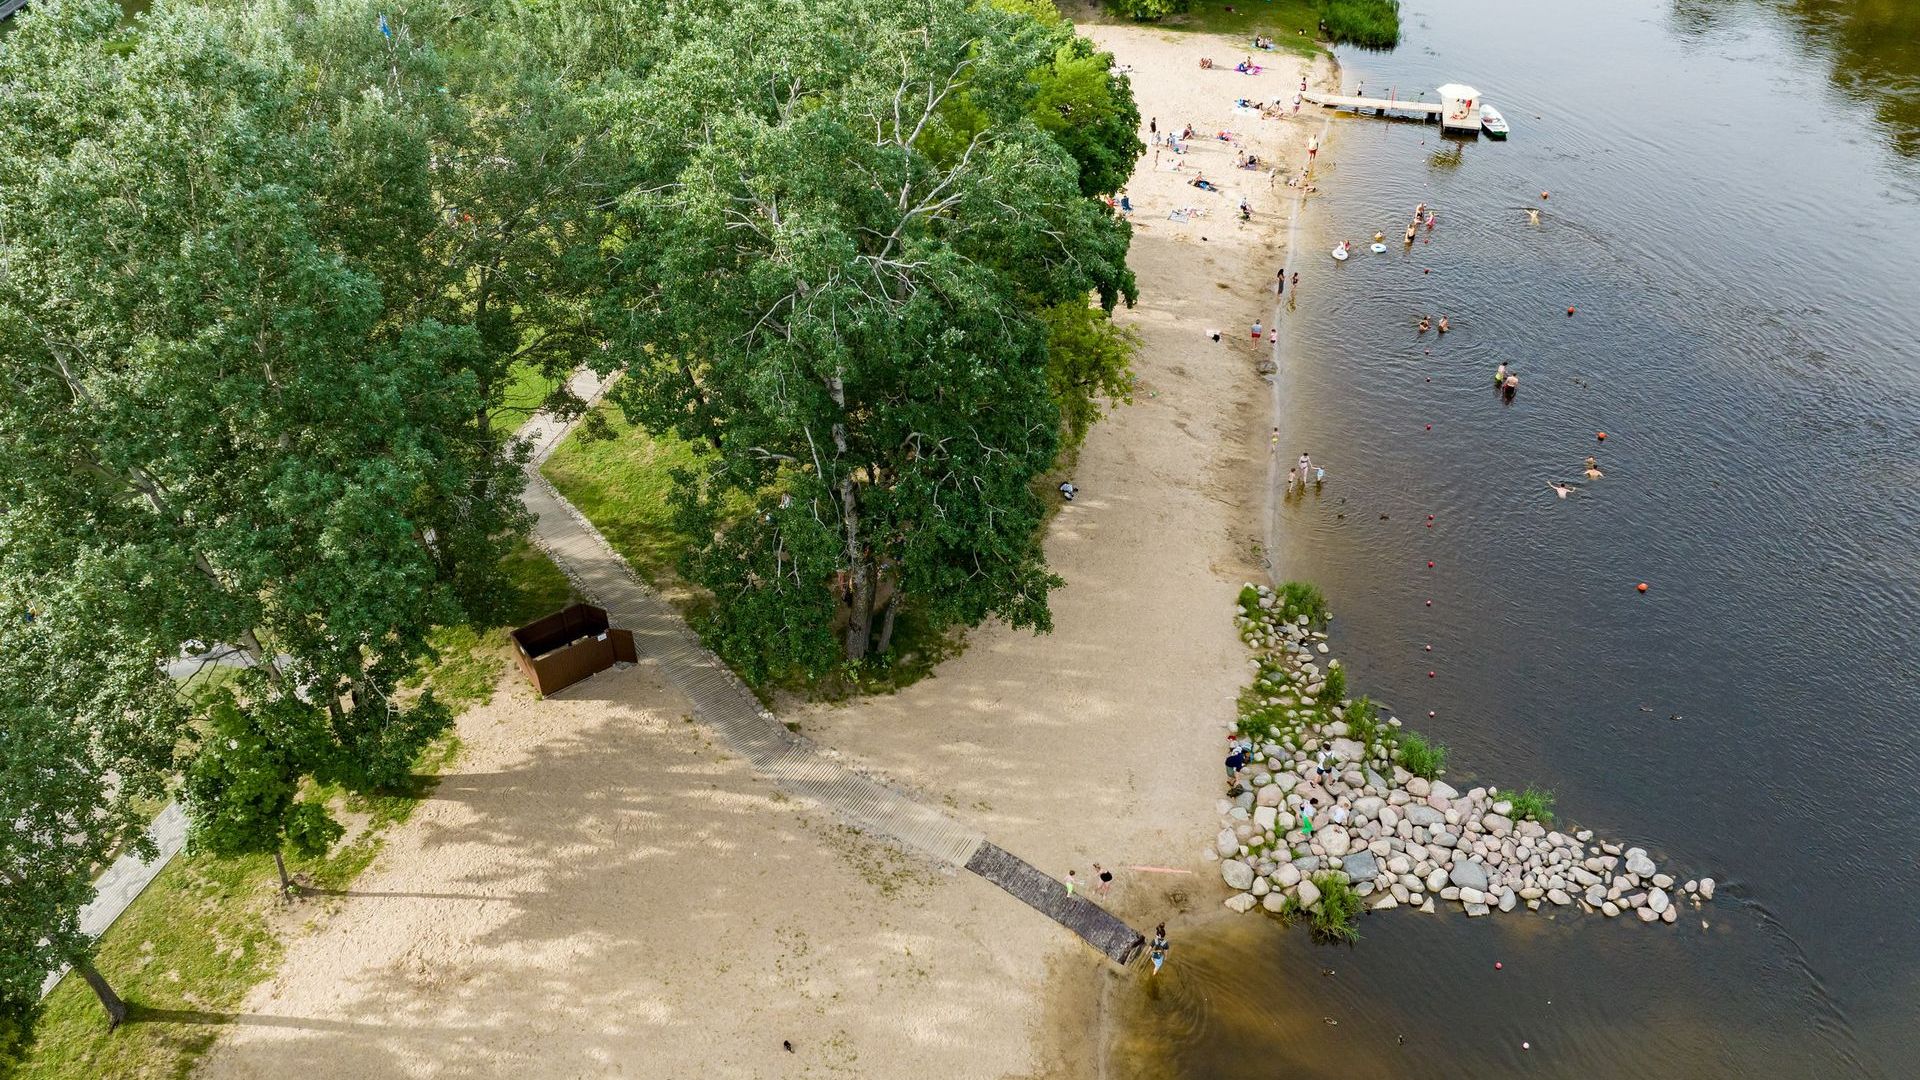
(1118, 941)
(797, 765)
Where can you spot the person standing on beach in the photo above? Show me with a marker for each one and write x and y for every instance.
(1106, 879)
(1071, 882)
(1158, 950)
(1306, 468)
(1153, 125)
(1313, 147)
(1280, 282)
(1256, 331)
(1235, 761)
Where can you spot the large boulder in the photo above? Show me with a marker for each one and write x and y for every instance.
(1274, 901)
(1309, 895)
(1271, 795)
(1639, 863)
(1286, 875)
(1263, 817)
(1497, 824)
(1468, 875)
(1227, 843)
(1241, 903)
(1236, 874)
(1361, 866)
(1335, 840)
(1423, 816)
(1658, 900)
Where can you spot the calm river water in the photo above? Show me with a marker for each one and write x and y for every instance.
(1735, 205)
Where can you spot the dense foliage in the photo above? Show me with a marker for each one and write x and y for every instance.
(1372, 24)
(841, 294)
(269, 270)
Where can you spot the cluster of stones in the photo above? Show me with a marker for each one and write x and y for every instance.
(1407, 841)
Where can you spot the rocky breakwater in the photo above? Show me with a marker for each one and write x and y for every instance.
(1386, 828)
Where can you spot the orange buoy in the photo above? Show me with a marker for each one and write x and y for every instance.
(1429, 564)
(1429, 427)
(1430, 674)
(1429, 603)
(1642, 586)
(1543, 194)
(1569, 312)
(1601, 435)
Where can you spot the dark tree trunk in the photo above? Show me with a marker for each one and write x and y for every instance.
(110, 1001)
(860, 619)
(286, 883)
(886, 622)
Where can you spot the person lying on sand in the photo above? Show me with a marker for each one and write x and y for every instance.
(1202, 183)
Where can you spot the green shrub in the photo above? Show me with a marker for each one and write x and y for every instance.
(1340, 907)
(1420, 757)
(1534, 804)
(1250, 601)
(1336, 686)
(1297, 598)
(1147, 10)
(1363, 723)
(1370, 24)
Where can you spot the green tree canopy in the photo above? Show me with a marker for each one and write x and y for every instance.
(216, 429)
(844, 222)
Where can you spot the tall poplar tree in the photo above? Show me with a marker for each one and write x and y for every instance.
(846, 221)
(215, 429)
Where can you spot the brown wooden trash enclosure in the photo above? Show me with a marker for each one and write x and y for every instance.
(570, 645)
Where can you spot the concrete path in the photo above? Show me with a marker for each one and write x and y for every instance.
(798, 765)
(127, 878)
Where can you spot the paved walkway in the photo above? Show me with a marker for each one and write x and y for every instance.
(799, 766)
(127, 878)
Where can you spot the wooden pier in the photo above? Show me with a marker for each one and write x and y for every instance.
(1425, 110)
(8, 7)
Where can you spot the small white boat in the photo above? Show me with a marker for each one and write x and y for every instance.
(1340, 252)
(1493, 123)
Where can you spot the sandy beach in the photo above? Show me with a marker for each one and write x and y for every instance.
(598, 889)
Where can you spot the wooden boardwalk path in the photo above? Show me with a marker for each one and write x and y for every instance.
(1380, 105)
(797, 765)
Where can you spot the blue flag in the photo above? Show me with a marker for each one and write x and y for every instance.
(385, 30)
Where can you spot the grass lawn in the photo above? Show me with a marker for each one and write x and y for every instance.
(187, 951)
(1292, 24)
(527, 388)
(622, 485)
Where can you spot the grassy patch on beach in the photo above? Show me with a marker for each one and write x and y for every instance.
(1370, 24)
(1294, 25)
(1333, 918)
(208, 929)
(1534, 804)
(1424, 759)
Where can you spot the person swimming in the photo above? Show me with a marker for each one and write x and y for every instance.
(1425, 324)
(1512, 384)
(1560, 489)
(1500, 374)
(1443, 324)
(1593, 470)
(1533, 217)
(1410, 232)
